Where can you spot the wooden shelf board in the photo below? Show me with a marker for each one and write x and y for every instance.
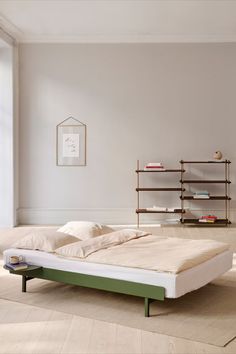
(166, 170)
(145, 211)
(204, 181)
(210, 198)
(159, 189)
(196, 221)
(209, 161)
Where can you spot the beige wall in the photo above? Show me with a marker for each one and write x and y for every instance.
(155, 102)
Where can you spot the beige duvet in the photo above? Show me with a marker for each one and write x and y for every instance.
(145, 251)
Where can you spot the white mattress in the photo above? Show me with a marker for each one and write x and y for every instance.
(175, 285)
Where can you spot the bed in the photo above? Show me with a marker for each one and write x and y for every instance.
(149, 284)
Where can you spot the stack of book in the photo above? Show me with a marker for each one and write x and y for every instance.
(154, 166)
(208, 219)
(201, 195)
(157, 208)
(161, 209)
(17, 266)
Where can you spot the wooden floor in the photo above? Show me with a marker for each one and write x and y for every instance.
(27, 329)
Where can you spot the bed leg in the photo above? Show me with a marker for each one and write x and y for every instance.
(147, 303)
(24, 283)
(146, 306)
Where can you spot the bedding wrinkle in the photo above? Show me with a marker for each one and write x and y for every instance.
(84, 248)
(151, 252)
(128, 248)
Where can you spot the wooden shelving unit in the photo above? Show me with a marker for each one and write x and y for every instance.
(225, 197)
(141, 189)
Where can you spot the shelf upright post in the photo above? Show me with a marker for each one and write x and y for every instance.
(182, 193)
(138, 193)
(226, 190)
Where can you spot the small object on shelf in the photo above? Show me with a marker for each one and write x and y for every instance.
(17, 266)
(212, 217)
(201, 195)
(156, 208)
(172, 210)
(206, 221)
(154, 169)
(202, 192)
(218, 155)
(208, 218)
(168, 211)
(154, 166)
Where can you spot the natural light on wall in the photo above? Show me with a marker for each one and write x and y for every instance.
(6, 135)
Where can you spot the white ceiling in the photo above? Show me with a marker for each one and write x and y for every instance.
(120, 20)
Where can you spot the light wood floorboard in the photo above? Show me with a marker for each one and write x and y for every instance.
(78, 336)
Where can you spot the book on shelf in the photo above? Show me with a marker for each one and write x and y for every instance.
(17, 266)
(201, 195)
(151, 164)
(156, 208)
(154, 166)
(154, 169)
(212, 217)
(202, 192)
(206, 221)
(159, 208)
(208, 218)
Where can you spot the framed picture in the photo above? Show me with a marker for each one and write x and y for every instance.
(71, 143)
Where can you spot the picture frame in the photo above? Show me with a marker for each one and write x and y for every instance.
(71, 143)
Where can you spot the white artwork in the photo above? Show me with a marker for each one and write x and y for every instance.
(70, 143)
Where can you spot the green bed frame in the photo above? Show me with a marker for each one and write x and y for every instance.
(150, 293)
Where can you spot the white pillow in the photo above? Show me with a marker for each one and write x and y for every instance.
(84, 248)
(85, 229)
(45, 240)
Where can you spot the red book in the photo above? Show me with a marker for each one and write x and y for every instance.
(212, 217)
(153, 167)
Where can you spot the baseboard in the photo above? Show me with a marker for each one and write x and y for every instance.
(40, 216)
(115, 216)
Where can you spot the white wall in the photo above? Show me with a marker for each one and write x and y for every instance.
(155, 102)
(7, 215)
